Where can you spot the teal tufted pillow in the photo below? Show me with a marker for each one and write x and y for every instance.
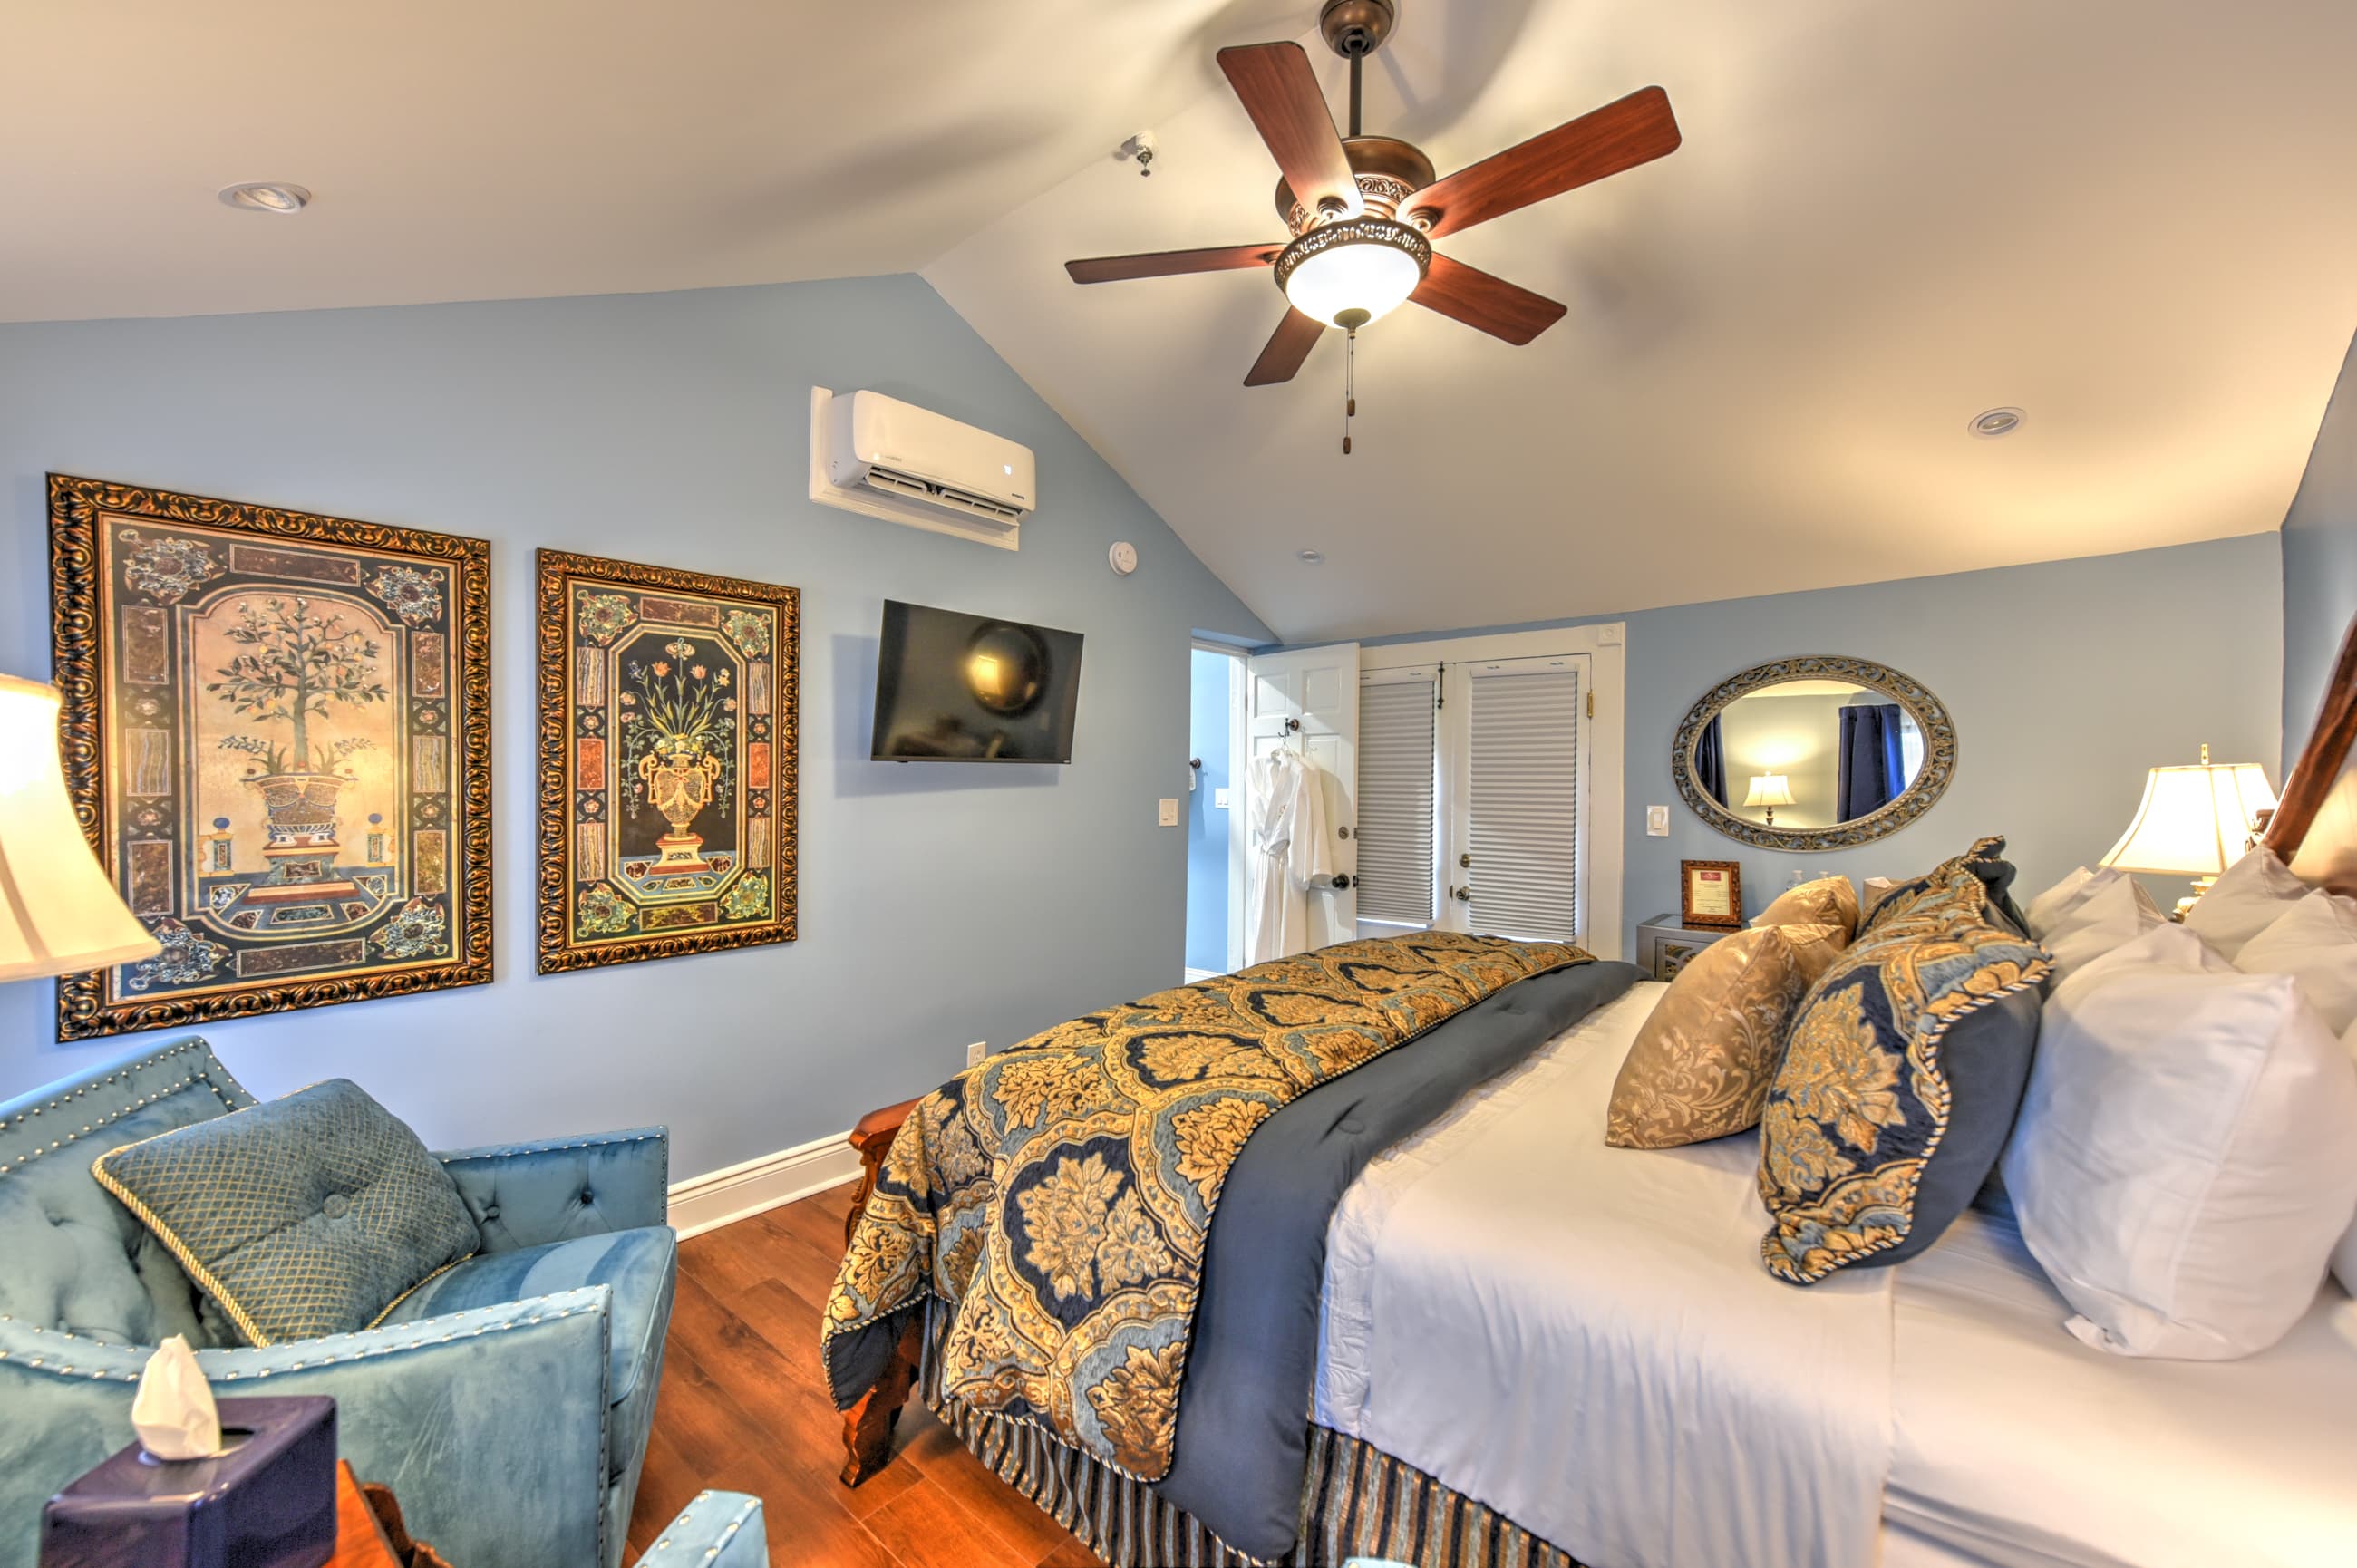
(1900, 1079)
(314, 1214)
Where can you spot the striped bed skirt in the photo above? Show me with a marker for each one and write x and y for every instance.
(1356, 1501)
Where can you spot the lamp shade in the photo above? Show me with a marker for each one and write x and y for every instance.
(2195, 820)
(57, 910)
(1769, 789)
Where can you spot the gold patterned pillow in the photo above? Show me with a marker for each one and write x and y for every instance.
(1702, 1064)
(1827, 901)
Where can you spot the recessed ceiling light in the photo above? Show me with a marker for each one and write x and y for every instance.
(266, 196)
(1312, 556)
(1997, 421)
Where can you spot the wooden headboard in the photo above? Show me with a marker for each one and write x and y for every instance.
(2315, 825)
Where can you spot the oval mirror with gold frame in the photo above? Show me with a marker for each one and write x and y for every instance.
(1819, 752)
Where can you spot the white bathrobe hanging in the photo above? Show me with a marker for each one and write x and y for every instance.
(1288, 852)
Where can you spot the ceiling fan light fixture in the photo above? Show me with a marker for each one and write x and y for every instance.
(1366, 265)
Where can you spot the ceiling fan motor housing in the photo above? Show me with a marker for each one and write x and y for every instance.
(1356, 26)
(1387, 169)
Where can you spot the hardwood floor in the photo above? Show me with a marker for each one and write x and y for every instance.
(744, 1407)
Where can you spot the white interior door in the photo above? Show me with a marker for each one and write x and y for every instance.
(1516, 754)
(1402, 866)
(1310, 699)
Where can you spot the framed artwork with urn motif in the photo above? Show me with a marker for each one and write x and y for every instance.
(276, 733)
(668, 756)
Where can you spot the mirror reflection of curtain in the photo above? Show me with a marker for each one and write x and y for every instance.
(1873, 768)
(1710, 762)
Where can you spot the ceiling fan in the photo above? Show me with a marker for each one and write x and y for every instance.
(1364, 210)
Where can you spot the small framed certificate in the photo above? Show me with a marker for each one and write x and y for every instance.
(1710, 892)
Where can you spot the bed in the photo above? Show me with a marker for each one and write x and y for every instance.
(1530, 1349)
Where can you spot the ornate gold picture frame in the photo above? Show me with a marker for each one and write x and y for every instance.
(276, 732)
(1710, 892)
(668, 746)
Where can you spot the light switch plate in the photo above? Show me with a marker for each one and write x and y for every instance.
(975, 1052)
(1657, 822)
(1219, 799)
(1169, 811)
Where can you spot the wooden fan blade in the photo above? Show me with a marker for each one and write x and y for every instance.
(1169, 264)
(1621, 135)
(1487, 302)
(1287, 347)
(1280, 92)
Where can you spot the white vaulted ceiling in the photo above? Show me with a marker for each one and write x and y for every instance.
(485, 149)
(2130, 217)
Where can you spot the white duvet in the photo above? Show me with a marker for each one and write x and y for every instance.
(1584, 1339)
(1651, 1397)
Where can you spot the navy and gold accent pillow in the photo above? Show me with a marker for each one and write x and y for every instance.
(1900, 1079)
(314, 1214)
(1985, 860)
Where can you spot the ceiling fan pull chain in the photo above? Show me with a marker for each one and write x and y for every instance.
(1350, 385)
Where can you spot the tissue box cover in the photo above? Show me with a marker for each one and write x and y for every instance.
(269, 1502)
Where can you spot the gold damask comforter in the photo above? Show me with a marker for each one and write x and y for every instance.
(1057, 1198)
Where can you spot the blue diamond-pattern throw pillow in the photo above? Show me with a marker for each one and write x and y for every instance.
(314, 1214)
(1900, 1078)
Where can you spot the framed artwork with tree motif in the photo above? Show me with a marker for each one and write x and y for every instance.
(668, 756)
(276, 733)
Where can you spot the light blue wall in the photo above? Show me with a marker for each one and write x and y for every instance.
(1207, 826)
(940, 905)
(2319, 562)
(2066, 679)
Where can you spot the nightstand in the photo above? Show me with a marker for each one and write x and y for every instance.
(1664, 943)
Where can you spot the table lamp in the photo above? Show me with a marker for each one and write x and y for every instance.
(1771, 791)
(58, 912)
(2196, 821)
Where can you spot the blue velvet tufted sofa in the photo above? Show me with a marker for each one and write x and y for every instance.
(506, 1402)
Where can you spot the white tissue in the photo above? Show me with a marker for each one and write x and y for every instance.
(174, 1412)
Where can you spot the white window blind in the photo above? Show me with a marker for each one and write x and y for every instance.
(1524, 788)
(1395, 801)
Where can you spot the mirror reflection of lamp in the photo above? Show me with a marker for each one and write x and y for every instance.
(59, 911)
(1769, 791)
(2195, 820)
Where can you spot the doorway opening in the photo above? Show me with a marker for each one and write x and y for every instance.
(1214, 812)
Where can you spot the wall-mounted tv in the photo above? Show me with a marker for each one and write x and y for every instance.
(961, 688)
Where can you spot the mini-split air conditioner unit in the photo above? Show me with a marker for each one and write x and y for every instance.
(876, 455)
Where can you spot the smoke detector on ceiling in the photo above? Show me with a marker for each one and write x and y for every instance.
(1997, 421)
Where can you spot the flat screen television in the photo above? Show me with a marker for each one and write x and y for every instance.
(961, 688)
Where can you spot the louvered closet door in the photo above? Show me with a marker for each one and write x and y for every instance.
(1521, 819)
(1398, 753)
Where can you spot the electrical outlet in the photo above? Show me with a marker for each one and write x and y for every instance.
(975, 1052)
(1657, 822)
(1219, 799)
(1169, 811)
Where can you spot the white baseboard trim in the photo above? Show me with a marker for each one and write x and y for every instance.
(1194, 975)
(718, 1198)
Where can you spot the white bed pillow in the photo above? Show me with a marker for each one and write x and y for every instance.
(2256, 891)
(2315, 943)
(2183, 1165)
(2047, 906)
(2088, 914)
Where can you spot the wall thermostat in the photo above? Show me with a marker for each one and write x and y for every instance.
(1123, 556)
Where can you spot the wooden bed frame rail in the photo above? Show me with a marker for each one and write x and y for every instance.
(2319, 779)
(868, 1425)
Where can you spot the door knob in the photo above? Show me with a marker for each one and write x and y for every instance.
(1342, 879)
(1463, 894)
(1465, 861)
